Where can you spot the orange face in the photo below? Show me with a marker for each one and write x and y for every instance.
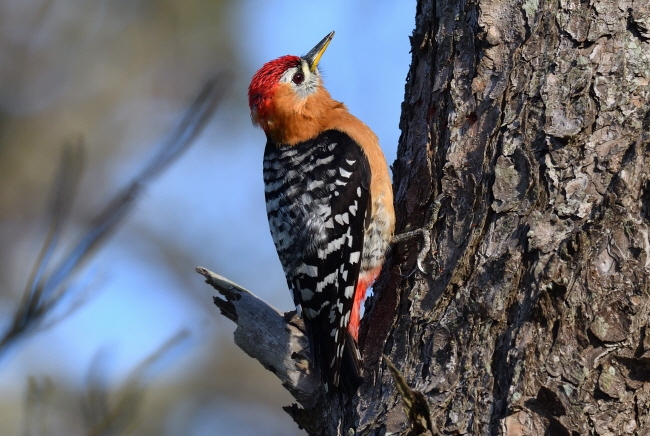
(282, 88)
(265, 83)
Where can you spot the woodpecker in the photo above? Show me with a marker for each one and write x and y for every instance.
(329, 202)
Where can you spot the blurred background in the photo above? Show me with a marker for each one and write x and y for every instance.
(136, 339)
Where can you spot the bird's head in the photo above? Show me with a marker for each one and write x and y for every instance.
(282, 87)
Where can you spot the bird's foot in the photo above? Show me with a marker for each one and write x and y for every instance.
(424, 232)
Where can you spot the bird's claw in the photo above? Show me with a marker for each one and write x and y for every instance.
(425, 232)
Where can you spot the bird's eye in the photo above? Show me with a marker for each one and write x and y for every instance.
(298, 78)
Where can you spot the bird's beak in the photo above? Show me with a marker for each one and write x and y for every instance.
(314, 55)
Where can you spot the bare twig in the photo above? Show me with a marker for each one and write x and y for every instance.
(44, 291)
(415, 404)
(32, 306)
(65, 188)
(181, 138)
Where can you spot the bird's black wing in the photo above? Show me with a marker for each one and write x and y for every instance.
(317, 196)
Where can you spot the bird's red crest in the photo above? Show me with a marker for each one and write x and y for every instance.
(265, 81)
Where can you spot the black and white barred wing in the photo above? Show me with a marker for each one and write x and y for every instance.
(317, 197)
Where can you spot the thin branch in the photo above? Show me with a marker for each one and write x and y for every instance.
(181, 138)
(65, 189)
(63, 192)
(43, 292)
(415, 404)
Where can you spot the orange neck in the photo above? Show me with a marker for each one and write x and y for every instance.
(293, 120)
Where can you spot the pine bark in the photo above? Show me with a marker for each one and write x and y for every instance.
(532, 119)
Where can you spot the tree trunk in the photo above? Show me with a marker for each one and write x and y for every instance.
(526, 132)
(533, 119)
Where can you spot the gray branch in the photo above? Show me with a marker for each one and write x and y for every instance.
(275, 339)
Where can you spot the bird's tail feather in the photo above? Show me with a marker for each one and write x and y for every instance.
(351, 367)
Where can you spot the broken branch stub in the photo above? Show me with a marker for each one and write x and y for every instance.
(264, 334)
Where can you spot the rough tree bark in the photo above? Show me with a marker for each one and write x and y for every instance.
(532, 119)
